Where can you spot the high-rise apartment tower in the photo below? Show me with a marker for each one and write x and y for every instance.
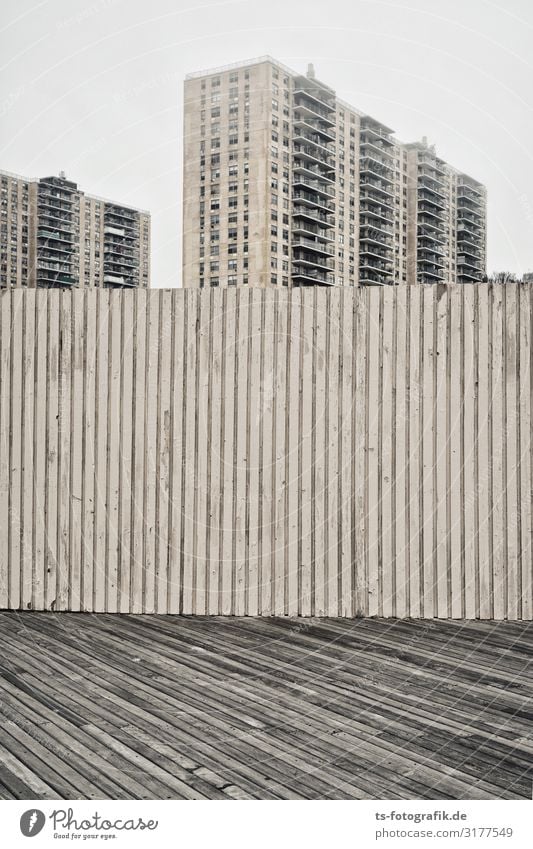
(53, 234)
(285, 184)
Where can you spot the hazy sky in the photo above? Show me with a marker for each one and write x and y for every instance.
(95, 89)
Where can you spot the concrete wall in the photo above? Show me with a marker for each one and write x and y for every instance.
(311, 452)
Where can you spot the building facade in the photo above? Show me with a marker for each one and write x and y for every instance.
(285, 184)
(53, 234)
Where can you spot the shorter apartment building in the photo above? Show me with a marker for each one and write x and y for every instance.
(52, 234)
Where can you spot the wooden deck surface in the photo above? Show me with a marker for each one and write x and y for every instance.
(129, 706)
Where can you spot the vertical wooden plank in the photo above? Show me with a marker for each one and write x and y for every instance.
(113, 452)
(512, 453)
(241, 454)
(455, 461)
(255, 503)
(52, 448)
(163, 451)
(178, 353)
(428, 435)
(266, 485)
(39, 453)
(498, 437)
(441, 442)
(345, 461)
(320, 454)
(415, 488)
(227, 476)
(5, 414)
(292, 438)
(138, 457)
(305, 475)
(26, 510)
(279, 454)
(100, 450)
(400, 456)
(205, 330)
(387, 573)
(373, 404)
(215, 453)
(64, 490)
(484, 457)
(525, 394)
(469, 491)
(16, 445)
(88, 565)
(126, 473)
(333, 570)
(76, 450)
(360, 449)
(151, 423)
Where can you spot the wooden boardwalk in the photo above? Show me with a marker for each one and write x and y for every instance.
(130, 706)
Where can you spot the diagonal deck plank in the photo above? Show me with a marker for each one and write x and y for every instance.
(133, 706)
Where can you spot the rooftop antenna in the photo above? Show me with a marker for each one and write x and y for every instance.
(311, 71)
(62, 175)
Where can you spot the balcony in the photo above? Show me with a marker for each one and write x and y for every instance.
(310, 108)
(314, 141)
(375, 213)
(312, 171)
(428, 276)
(382, 188)
(312, 277)
(373, 236)
(313, 201)
(53, 235)
(375, 146)
(52, 197)
(467, 190)
(304, 228)
(322, 219)
(469, 262)
(376, 254)
(321, 248)
(372, 131)
(311, 154)
(114, 231)
(317, 130)
(121, 213)
(315, 93)
(321, 189)
(306, 259)
(430, 196)
(376, 166)
(375, 264)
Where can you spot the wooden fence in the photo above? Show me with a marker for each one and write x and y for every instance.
(251, 452)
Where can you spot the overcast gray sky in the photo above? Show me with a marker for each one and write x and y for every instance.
(95, 89)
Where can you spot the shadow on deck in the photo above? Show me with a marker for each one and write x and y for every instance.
(157, 707)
